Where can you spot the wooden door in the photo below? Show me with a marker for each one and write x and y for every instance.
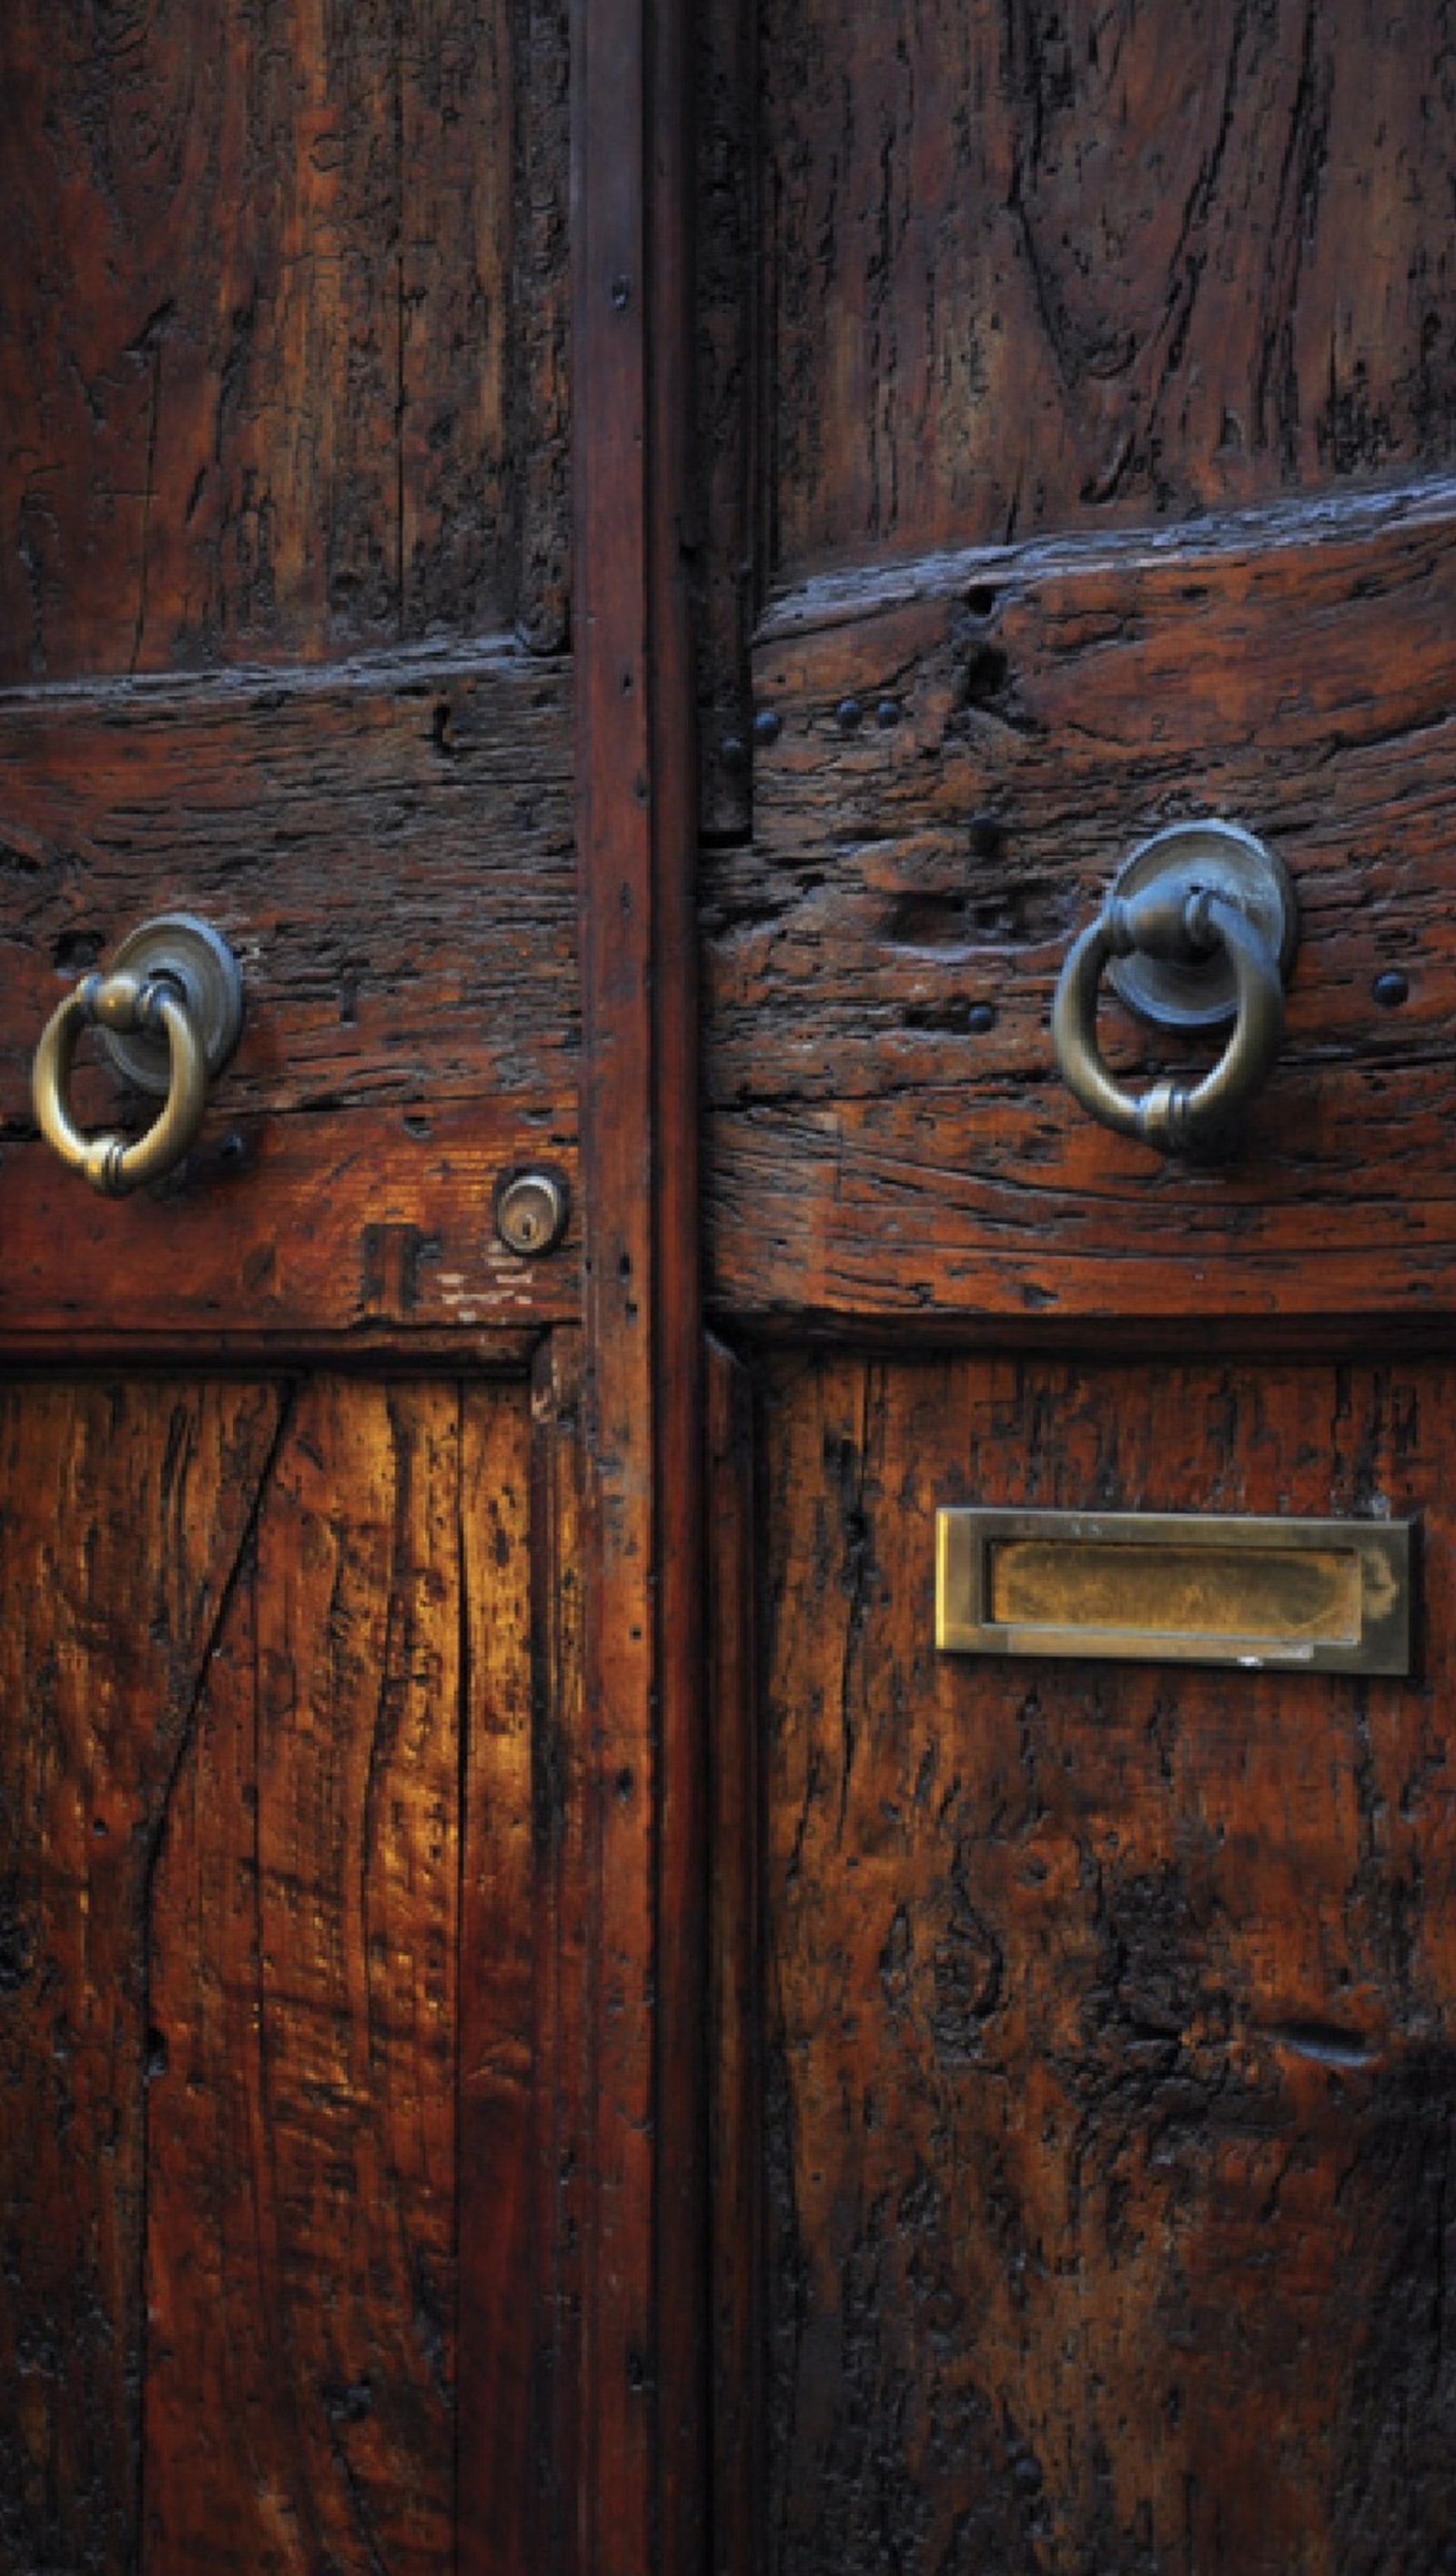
(334, 1595)
(1085, 2028)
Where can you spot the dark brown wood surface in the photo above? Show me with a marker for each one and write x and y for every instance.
(383, 1906)
(1031, 266)
(735, 1986)
(1104, 416)
(388, 847)
(233, 1854)
(1111, 2092)
(125, 1516)
(303, 1940)
(274, 381)
(968, 750)
(643, 2347)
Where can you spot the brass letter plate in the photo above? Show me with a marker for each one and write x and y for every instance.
(1173, 1587)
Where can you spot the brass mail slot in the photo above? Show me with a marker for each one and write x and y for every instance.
(1174, 1587)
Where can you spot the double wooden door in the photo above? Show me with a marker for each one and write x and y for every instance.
(647, 575)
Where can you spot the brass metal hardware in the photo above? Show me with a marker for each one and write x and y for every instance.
(1176, 1587)
(531, 1210)
(1198, 930)
(170, 1012)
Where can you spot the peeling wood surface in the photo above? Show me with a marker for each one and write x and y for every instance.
(230, 1957)
(966, 754)
(1111, 2088)
(388, 848)
(273, 382)
(1034, 265)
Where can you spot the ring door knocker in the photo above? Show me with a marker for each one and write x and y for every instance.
(170, 1012)
(1198, 931)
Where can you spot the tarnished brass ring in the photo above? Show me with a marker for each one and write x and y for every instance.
(1174, 1117)
(123, 1003)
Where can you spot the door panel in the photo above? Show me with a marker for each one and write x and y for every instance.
(125, 1515)
(1035, 266)
(410, 2067)
(284, 372)
(960, 759)
(1101, 434)
(1110, 2082)
(388, 848)
(248, 1633)
(267, 347)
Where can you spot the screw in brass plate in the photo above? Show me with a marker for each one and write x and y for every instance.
(531, 1209)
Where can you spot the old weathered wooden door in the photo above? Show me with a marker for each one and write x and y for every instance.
(1074, 385)
(343, 1648)
(1103, 369)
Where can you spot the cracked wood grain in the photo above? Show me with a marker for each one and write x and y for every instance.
(499, 2466)
(1025, 266)
(302, 2261)
(389, 850)
(886, 1130)
(124, 1513)
(270, 383)
(1110, 2010)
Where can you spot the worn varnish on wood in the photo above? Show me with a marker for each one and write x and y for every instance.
(241, 1800)
(1111, 2089)
(968, 751)
(284, 379)
(273, 379)
(388, 846)
(1024, 266)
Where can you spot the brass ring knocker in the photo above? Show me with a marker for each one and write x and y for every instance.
(1198, 930)
(170, 1011)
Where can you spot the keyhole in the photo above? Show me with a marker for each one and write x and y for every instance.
(531, 1211)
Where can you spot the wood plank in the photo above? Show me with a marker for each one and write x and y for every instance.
(501, 2109)
(563, 1933)
(968, 750)
(388, 847)
(726, 105)
(1023, 269)
(540, 341)
(302, 2168)
(643, 2345)
(254, 364)
(124, 1511)
(735, 1974)
(304, 1233)
(1111, 2009)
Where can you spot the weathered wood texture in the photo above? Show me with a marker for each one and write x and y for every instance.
(725, 512)
(566, 1816)
(1027, 265)
(273, 378)
(503, 2305)
(735, 1981)
(643, 2331)
(1112, 2089)
(965, 757)
(252, 1649)
(124, 1513)
(389, 849)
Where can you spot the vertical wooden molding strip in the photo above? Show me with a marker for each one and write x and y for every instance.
(642, 2478)
(735, 1982)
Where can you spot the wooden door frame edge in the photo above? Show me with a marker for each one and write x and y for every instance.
(641, 2482)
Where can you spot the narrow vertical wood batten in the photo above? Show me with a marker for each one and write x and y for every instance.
(642, 2357)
